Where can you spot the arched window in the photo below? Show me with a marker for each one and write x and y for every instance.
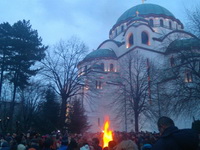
(102, 66)
(170, 24)
(122, 28)
(145, 38)
(151, 22)
(188, 76)
(161, 23)
(172, 61)
(116, 32)
(98, 84)
(130, 41)
(111, 67)
(85, 69)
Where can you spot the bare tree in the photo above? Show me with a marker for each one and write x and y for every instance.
(187, 78)
(193, 23)
(136, 78)
(60, 69)
(30, 99)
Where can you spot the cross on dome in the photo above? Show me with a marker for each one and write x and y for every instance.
(143, 1)
(137, 13)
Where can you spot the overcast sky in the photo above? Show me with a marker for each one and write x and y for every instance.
(90, 20)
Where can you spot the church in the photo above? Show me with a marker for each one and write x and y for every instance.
(149, 30)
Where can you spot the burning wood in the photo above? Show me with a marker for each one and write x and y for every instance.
(107, 134)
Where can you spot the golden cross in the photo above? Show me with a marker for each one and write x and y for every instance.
(143, 1)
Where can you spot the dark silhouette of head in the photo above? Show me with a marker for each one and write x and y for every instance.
(164, 122)
(95, 141)
(112, 144)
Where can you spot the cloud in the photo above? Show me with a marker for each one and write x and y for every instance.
(91, 20)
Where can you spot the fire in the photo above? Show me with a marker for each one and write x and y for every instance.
(107, 136)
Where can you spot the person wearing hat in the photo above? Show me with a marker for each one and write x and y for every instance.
(147, 147)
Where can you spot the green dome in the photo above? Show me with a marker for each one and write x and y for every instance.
(138, 18)
(100, 53)
(145, 10)
(183, 44)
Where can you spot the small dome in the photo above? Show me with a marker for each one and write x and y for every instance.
(183, 44)
(97, 66)
(145, 10)
(100, 53)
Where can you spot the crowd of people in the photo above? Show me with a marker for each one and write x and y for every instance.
(170, 138)
(58, 141)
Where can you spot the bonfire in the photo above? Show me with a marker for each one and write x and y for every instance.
(107, 134)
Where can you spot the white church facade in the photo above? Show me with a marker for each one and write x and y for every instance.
(147, 29)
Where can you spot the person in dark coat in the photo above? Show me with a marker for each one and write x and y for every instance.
(5, 146)
(64, 144)
(174, 139)
(95, 144)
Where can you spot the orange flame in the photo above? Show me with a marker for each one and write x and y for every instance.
(107, 136)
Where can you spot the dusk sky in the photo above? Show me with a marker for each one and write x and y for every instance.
(90, 20)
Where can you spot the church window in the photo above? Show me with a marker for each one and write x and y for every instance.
(199, 66)
(172, 61)
(111, 67)
(151, 22)
(145, 38)
(130, 41)
(102, 66)
(98, 85)
(116, 32)
(188, 76)
(161, 23)
(122, 28)
(85, 69)
(181, 27)
(170, 24)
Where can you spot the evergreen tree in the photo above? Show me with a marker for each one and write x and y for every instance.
(47, 120)
(51, 109)
(20, 49)
(5, 50)
(77, 121)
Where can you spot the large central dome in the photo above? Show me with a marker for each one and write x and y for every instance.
(145, 10)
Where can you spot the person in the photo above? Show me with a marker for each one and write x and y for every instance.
(34, 145)
(95, 144)
(174, 139)
(126, 145)
(111, 145)
(85, 147)
(64, 144)
(146, 147)
(73, 145)
(5, 145)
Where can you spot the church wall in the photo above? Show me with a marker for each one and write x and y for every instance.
(99, 103)
(119, 36)
(101, 100)
(136, 31)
